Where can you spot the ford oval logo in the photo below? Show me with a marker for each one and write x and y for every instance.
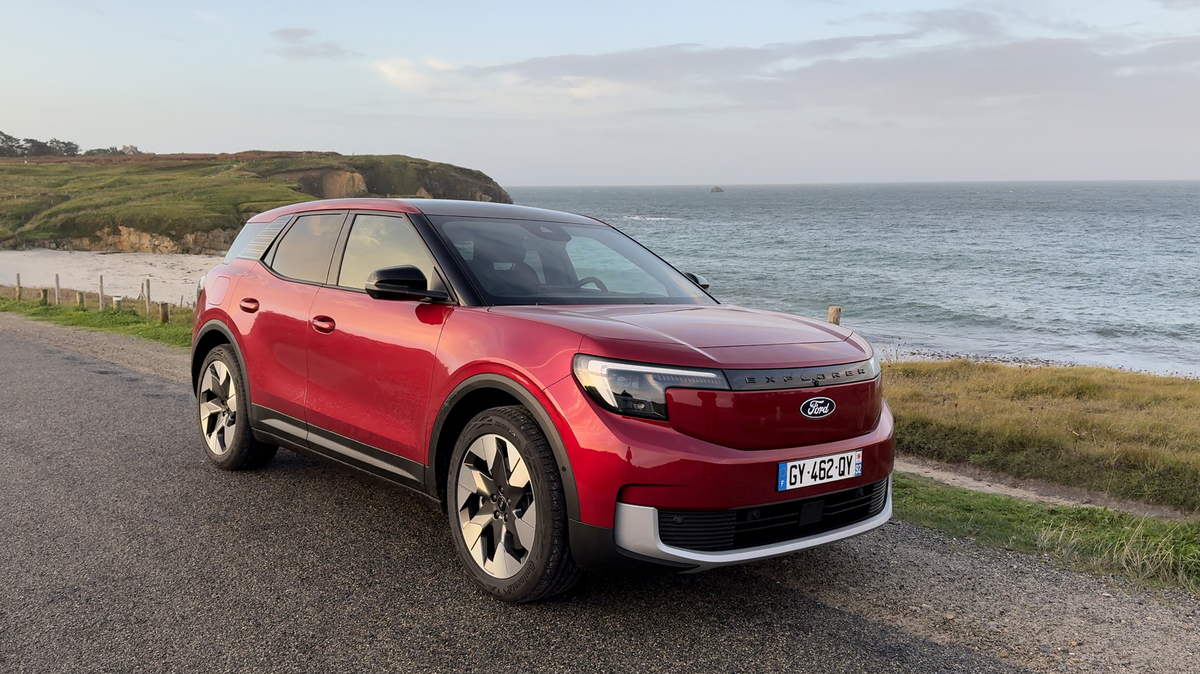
(817, 408)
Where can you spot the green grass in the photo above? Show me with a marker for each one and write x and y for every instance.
(68, 200)
(1133, 436)
(127, 322)
(1094, 539)
(178, 195)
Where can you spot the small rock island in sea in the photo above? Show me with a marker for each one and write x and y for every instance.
(716, 189)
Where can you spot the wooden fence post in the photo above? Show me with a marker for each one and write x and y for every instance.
(45, 299)
(57, 291)
(164, 313)
(148, 305)
(118, 303)
(18, 287)
(81, 298)
(835, 315)
(101, 291)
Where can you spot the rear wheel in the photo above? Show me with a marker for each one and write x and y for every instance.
(506, 507)
(224, 414)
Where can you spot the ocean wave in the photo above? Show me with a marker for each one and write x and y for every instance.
(644, 218)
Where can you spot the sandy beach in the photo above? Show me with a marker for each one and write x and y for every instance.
(171, 276)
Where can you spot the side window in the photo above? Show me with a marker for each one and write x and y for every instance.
(378, 241)
(305, 251)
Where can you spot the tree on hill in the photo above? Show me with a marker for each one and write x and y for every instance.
(63, 148)
(104, 152)
(33, 147)
(9, 146)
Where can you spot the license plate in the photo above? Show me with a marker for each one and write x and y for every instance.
(822, 469)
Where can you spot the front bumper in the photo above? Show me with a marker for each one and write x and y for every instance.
(636, 532)
(615, 459)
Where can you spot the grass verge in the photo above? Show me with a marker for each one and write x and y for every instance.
(1133, 436)
(126, 322)
(1095, 539)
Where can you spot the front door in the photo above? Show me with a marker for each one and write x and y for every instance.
(370, 362)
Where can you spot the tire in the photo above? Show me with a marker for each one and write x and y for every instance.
(225, 427)
(507, 512)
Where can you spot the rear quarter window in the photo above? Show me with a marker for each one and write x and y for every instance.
(254, 239)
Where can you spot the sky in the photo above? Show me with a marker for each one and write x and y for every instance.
(628, 93)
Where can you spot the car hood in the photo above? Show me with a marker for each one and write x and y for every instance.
(725, 335)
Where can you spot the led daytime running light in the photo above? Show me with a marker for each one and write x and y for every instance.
(638, 389)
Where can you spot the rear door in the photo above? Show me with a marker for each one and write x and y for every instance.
(370, 362)
(271, 309)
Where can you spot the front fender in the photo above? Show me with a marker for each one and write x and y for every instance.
(543, 412)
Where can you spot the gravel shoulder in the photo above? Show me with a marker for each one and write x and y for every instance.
(139, 355)
(126, 551)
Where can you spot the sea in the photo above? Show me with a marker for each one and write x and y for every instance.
(1089, 273)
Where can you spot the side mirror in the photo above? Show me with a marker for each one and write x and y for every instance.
(697, 279)
(405, 282)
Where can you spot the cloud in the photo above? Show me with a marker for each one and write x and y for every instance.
(292, 35)
(965, 22)
(1179, 4)
(948, 67)
(409, 76)
(679, 77)
(298, 45)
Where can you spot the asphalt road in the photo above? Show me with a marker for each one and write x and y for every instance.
(124, 551)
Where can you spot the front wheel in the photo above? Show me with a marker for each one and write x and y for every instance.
(507, 512)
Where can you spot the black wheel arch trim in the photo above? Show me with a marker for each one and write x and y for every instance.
(531, 403)
(216, 325)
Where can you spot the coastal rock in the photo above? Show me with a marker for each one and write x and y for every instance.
(326, 183)
(130, 240)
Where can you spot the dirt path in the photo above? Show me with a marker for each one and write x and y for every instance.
(975, 479)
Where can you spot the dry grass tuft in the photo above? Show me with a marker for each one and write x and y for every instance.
(1134, 436)
(1097, 539)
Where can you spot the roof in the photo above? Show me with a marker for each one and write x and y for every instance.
(446, 207)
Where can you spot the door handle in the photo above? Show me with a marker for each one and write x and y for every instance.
(249, 305)
(323, 324)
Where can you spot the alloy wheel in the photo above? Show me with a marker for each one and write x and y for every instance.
(496, 508)
(218, 408)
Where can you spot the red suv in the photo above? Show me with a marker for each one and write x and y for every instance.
(570, 399)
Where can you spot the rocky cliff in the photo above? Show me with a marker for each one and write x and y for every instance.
(197, 203)
(326, 183)
(130, 240)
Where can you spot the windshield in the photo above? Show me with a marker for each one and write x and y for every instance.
(527, 262)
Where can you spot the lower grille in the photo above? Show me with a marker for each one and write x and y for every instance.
(717, 531)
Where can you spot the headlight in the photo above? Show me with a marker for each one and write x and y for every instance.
(637, 389)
